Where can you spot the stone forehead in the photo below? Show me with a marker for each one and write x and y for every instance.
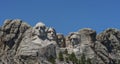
(60, 36)
(40, 24)
(87, 31)
(74, 36)
(51, 29)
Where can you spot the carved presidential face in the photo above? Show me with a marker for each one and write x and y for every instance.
(74, 39)
(40, 29)
(61, 40)
(51, 34)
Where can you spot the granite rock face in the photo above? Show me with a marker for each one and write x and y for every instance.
(111, 41)
(82, 42)
(101, 49)
(11, 36)
(61, 40)
(22, 44)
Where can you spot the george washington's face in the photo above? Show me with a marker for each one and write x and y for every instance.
(51, 34)
(40, 30)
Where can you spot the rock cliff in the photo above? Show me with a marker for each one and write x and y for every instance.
(21, 43)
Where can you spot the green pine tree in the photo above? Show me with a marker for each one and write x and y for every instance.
(88, 61)
(66, 59)
(61, 56)
(51, 59)
(73, 58)
(66, 51)
(83, 59)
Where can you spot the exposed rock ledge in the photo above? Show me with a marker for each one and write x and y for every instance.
(22, 44)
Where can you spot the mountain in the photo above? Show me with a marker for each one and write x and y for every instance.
(21, 43)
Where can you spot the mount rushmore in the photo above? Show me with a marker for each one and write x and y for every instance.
(21, 43)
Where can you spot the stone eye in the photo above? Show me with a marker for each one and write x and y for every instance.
(41, 27)
(49, 31)
(37, 27)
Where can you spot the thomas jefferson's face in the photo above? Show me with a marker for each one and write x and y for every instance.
(51, 34)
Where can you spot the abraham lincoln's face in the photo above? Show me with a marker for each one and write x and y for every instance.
(74, 39)
(51, 34)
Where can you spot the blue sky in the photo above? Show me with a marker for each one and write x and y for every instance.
(64, 15)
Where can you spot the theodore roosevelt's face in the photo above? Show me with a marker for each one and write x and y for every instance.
(61, 41)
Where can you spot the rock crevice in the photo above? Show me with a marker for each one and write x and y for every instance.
(21, 43)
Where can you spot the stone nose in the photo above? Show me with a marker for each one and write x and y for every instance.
(41, 29)
(72, 40)
(52, 33)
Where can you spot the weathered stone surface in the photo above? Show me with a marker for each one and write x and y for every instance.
(11, 35)
(51, 34)
(12, 31)
(81, 43)
(110, 39)
(22, 44)
(36, 44)
(87, 35)
(32, 45)
(61, 40)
